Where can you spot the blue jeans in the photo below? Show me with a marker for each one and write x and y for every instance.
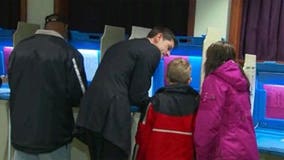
(62, 153)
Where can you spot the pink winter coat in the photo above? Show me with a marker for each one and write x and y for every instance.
(224, 128)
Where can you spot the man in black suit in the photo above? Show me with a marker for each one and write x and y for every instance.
(123, 79)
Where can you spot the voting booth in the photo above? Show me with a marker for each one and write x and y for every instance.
(6, 39)
(189, 48)
(82, 40)
(159, 78)
(269, 107)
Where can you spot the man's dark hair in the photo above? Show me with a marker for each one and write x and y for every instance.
(167, 33)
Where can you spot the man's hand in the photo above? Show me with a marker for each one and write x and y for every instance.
(4, 78)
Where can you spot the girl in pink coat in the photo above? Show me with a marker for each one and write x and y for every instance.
(224, 128)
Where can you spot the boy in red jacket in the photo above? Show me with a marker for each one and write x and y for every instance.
(165, 132)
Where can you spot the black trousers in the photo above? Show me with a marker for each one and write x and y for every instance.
(102, 149)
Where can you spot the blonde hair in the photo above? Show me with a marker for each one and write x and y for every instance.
(179, 71)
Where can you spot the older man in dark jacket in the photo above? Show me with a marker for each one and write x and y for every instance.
(47, 78)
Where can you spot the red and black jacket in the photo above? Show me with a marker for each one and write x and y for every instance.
(167, 127)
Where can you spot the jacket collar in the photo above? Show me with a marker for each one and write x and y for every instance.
(49, 32)
(181, 88)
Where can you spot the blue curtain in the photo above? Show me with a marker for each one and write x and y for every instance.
(263, 29)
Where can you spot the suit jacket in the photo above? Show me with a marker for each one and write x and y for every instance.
(122, 79)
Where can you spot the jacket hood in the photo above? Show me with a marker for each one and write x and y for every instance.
(231, 73)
